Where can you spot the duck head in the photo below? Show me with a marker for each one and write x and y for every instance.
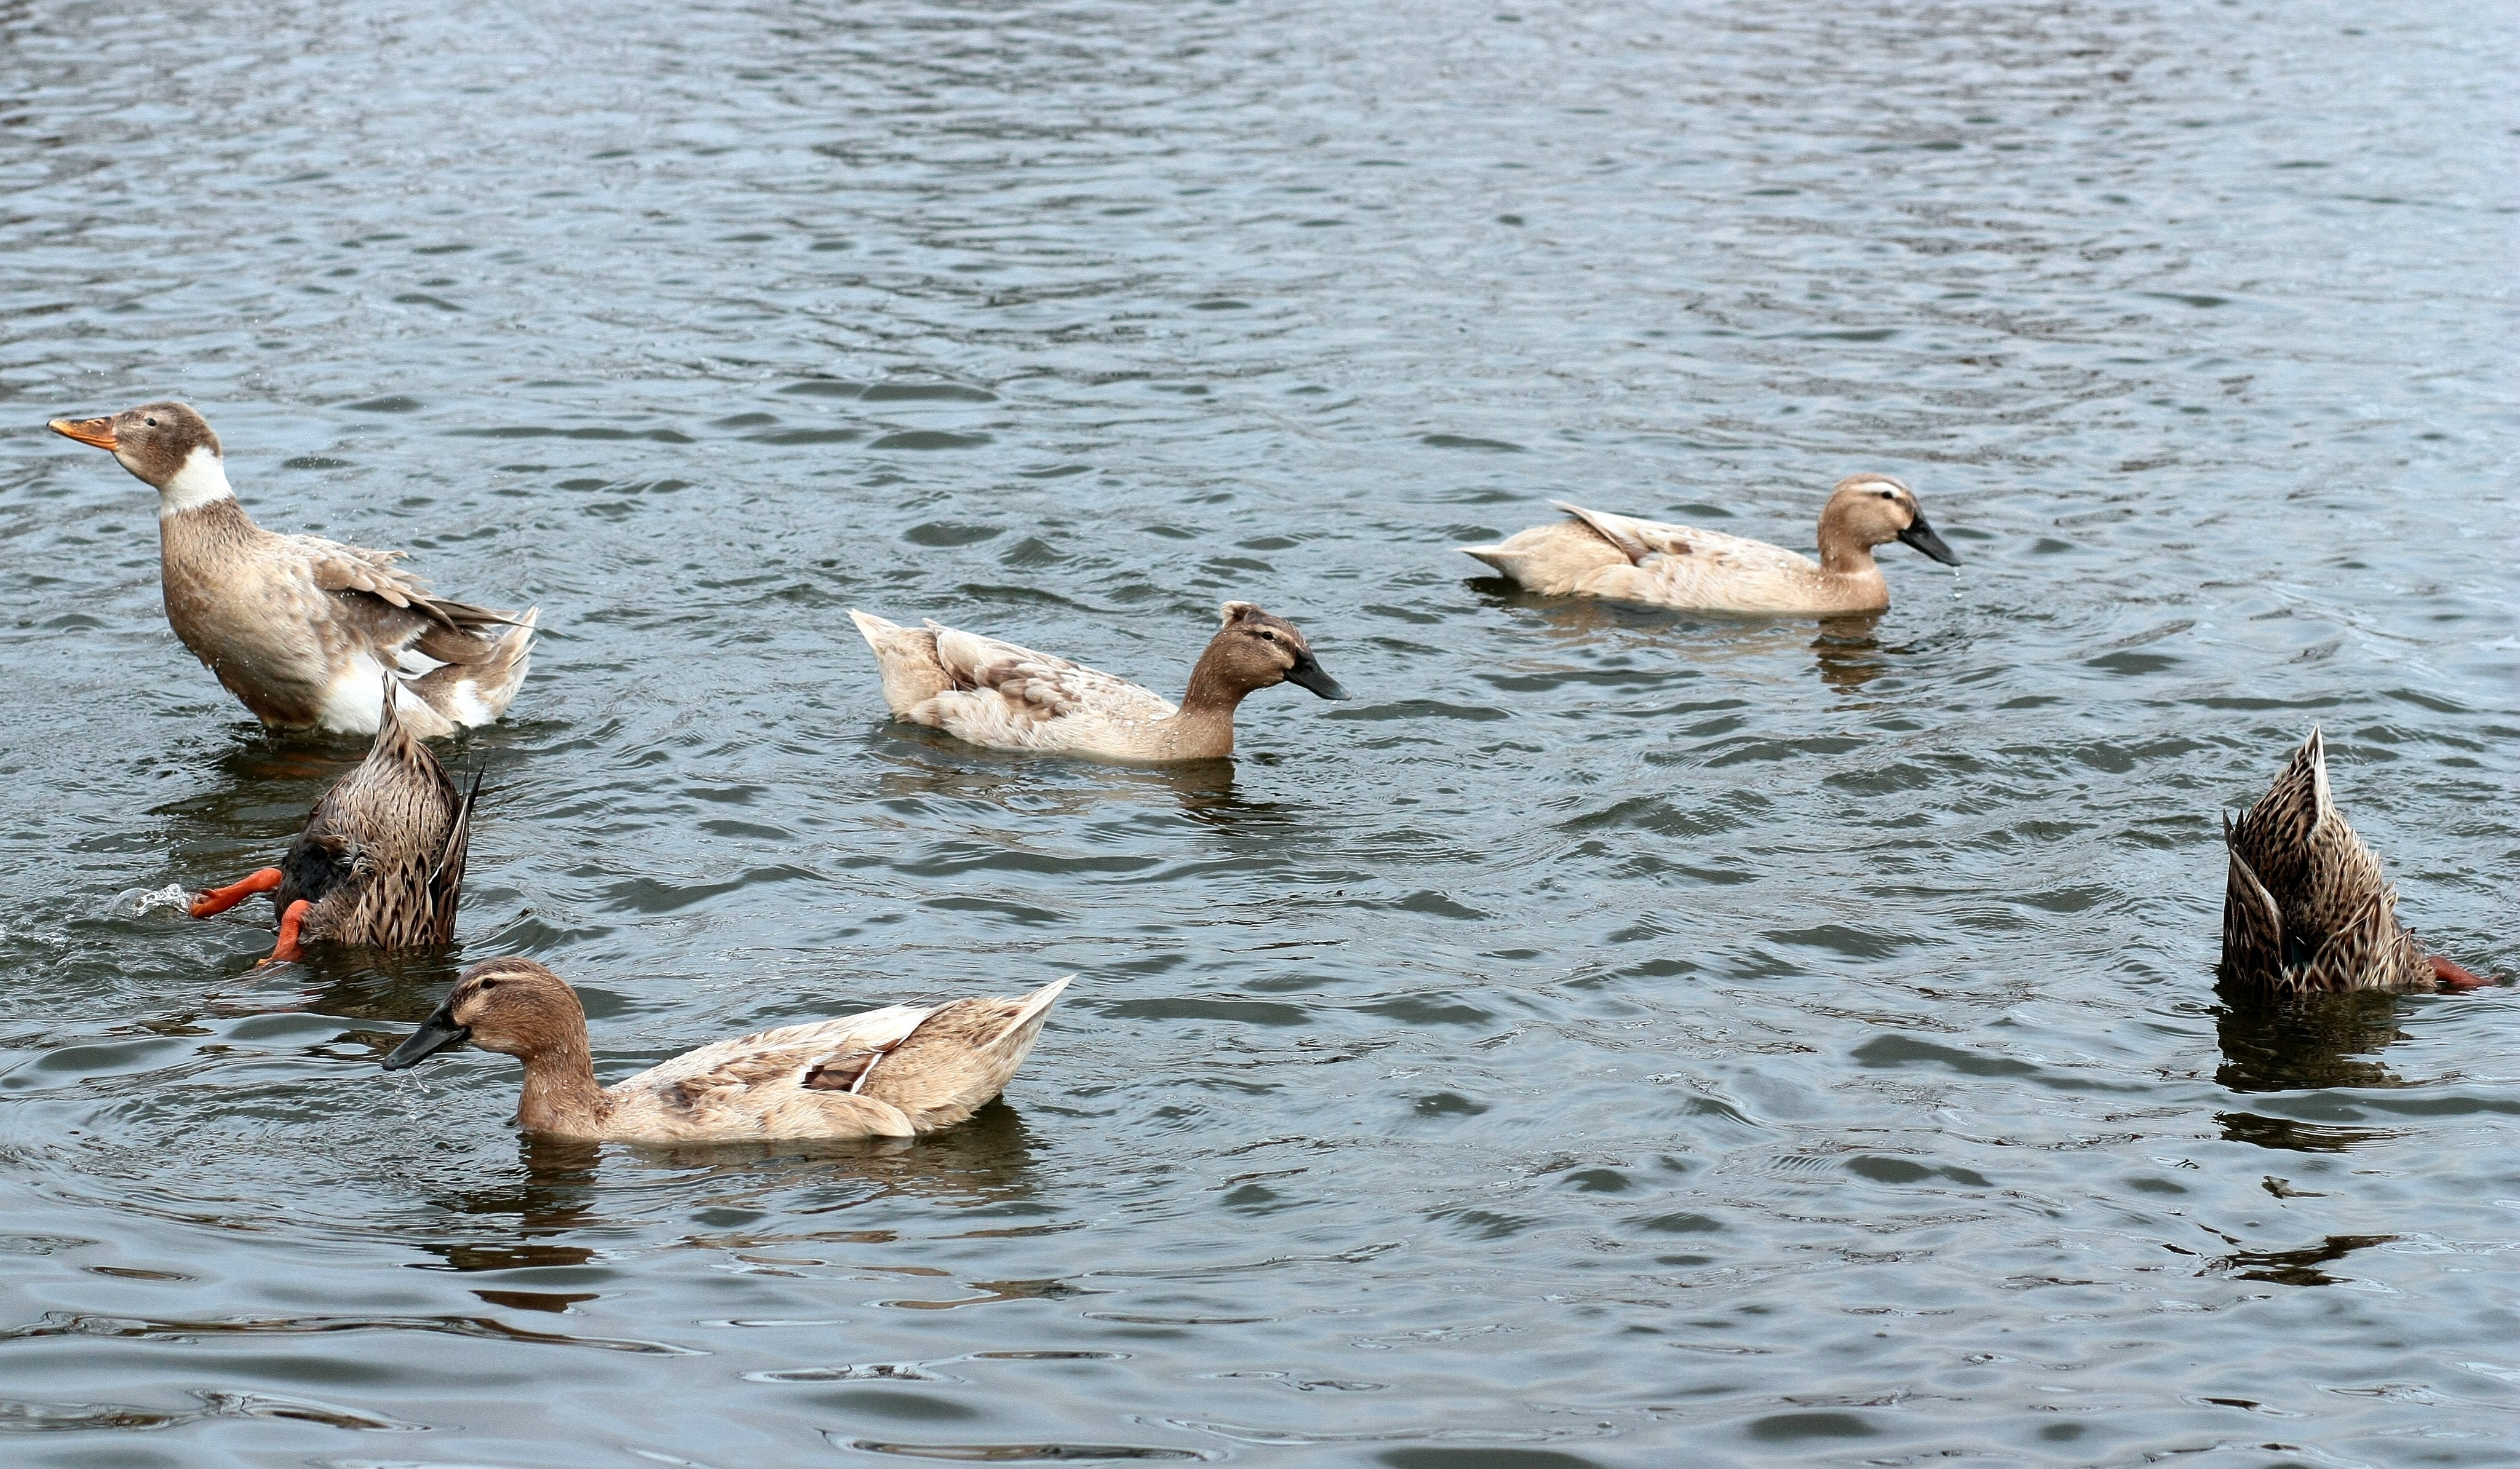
(166, 445)
(511, 1005)
(1869, 510)
(1254, 649)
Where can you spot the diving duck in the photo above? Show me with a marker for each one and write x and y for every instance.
(895, 1072)
(380, 859)
(298, 627)
(2303, 905)
(1012, 698)
(1626, 560)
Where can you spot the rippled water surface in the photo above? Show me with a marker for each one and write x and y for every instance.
(1614, 1039)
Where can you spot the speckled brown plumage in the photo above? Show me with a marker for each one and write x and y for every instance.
(894, 1072)
(2305, 907)
(381, 858)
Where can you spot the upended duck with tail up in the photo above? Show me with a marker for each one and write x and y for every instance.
(2305, 907)
(381, 858)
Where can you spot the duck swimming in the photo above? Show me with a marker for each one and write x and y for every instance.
(297, 627)
(2303, 905)
(1626, 560)
(380, 859)
(1006, 697)
(895, 1072)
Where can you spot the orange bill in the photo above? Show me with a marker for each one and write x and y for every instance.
(98, 433)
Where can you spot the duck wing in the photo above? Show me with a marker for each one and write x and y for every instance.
(1650, 545)
(1039, 685)
(763, 1086)
(335, 568)
(446, 881)
(962, 1054)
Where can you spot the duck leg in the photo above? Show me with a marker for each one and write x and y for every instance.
(2451, 976)
(289, 947)
(219, 899)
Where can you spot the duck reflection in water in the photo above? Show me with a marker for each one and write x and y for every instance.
(518, 1222)
(986, 1159)
(536, 1215)
(938, 766)
(1846, 653)
(2305, 1042)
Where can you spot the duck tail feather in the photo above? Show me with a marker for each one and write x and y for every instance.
(875, 630)
(1615, 529)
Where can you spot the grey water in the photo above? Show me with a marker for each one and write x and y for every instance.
(1614, 1039)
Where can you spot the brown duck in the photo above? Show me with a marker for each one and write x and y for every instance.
(298, 627)
(2304, 905)
(381, 860)
(895, 1072)
(1007, 697)
(1622, 559)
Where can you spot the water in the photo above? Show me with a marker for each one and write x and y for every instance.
(1614, 1039)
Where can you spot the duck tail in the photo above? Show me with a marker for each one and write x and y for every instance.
(1027, 1018)
(1619, 530)
(877, 633)
(478, 689)
(404, 719)
(906, 657)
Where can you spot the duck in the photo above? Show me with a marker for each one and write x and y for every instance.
(996, 694)
(298, 627)
(2305, 907)
(1596, 554)
(894, 1072)
(380, 859)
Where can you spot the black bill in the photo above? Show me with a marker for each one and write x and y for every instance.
(1921, 536)
(1307, 674)
(437, 1033)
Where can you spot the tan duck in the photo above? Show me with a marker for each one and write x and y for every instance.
(890, 1073)
(380, 861)
(1626, 560)
(1006, 697)
(2303, 905)
(298, 627)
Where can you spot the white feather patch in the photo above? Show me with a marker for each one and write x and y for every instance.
(201, 481)
(357, 699)
(470, 707)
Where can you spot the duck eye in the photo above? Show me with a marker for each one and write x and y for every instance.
(489, 984)
(1889, 494)
(152, 423)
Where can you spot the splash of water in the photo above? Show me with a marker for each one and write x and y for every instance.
(135, 902)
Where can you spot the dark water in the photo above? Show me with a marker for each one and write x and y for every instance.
(1614, 1039)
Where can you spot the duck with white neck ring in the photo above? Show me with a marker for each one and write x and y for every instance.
(1621, 558)
(300, 629)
